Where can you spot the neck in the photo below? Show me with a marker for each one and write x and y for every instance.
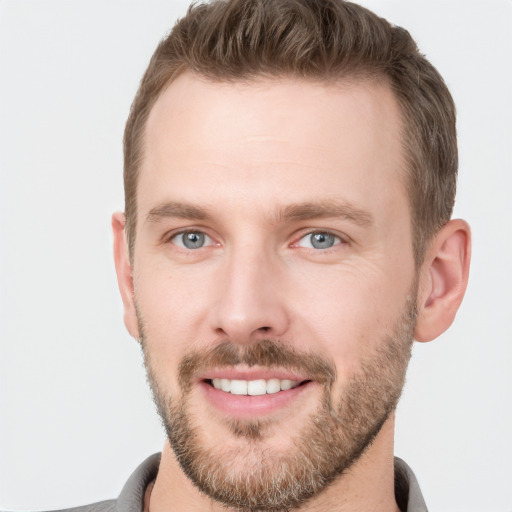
(367, 486)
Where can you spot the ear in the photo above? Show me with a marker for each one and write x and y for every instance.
(124, 273)
(443, 280)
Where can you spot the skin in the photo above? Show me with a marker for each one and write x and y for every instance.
(245, 154)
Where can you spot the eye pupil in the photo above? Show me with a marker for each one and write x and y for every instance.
(193, 240)
(322, 240)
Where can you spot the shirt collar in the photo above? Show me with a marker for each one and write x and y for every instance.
(407, 490)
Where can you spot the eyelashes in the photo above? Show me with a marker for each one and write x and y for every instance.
(195, 239)
(191, 240)
(320, 240)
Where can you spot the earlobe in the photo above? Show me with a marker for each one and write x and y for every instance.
(443, 280)
(124, 273)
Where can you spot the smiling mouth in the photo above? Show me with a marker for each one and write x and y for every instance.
(254, 387)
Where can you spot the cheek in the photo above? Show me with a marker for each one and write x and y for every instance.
(170, 300)
(172, 311)
(350, 314)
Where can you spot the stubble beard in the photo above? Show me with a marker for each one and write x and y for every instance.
(252, 477)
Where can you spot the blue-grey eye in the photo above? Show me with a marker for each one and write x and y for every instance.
(319, 240)
(191, 240)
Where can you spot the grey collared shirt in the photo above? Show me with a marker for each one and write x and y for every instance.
(131, 499)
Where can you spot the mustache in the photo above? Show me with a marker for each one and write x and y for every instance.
(267, 353)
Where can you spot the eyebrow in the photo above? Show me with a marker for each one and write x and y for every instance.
(326, 209)
(294, 212)
(177, 210)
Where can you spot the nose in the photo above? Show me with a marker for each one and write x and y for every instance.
(250, 304)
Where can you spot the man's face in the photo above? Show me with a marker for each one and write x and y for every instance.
(273, 260)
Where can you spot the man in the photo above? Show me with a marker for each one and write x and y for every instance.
(290, 174)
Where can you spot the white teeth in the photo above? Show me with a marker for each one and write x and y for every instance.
(254, 387)
(273, 386)
(239, 387)
(286, 384)
(225, 385)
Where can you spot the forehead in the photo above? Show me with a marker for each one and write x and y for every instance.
(269, 136)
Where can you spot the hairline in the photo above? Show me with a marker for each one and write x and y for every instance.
(356, 75)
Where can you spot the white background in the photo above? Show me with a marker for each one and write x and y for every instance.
(75, 414)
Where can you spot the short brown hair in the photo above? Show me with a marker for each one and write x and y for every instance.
(226, 40)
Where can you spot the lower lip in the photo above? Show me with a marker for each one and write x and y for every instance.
(246, 406)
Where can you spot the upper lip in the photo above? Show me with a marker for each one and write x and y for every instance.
(233, 373)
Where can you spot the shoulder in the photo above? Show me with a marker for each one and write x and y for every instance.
(131, 498)
(407, 490)
(100, 506)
